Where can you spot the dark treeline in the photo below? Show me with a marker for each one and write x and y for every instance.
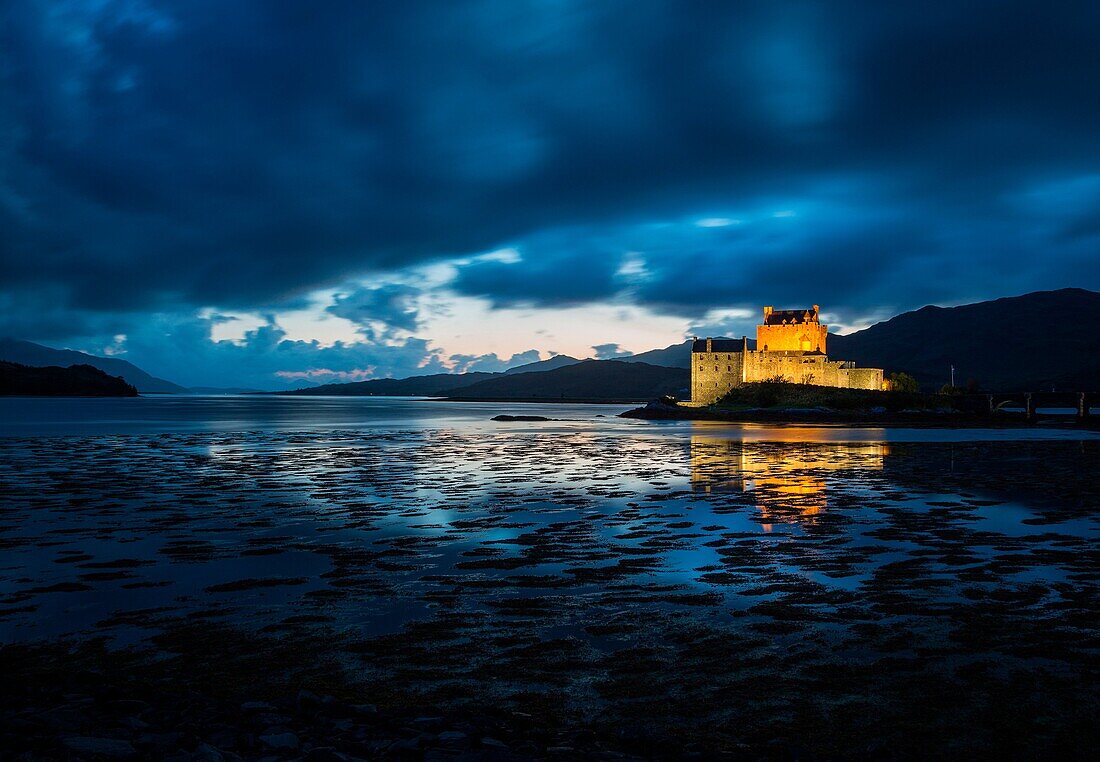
(54, 381)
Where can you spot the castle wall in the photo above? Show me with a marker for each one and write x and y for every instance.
(810, 369)
(794, 367)
(713, 374)
(862, 378)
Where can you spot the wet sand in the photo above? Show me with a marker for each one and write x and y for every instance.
(563, 594)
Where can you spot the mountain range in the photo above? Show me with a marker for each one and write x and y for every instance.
(1038, 341)
(433, 385)
(584, 380)
(1035, 342)
(29, 353)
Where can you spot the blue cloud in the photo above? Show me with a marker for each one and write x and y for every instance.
(609, 351)
(393, 304)
(156, 158)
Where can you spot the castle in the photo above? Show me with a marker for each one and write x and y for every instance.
(789, 344)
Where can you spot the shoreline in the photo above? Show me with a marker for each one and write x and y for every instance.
(542, 400)
(656, 411)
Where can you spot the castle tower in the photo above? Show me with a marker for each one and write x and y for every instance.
(791, 331)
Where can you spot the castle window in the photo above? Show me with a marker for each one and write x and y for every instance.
(729, 369)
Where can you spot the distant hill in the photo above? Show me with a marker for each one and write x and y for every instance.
(434, 385)
(29, 353)
(673, 356)
(418, 386)
(557, 361)
(1032, 342)
(54, 381)
(585, 380)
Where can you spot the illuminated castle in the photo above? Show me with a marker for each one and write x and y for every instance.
(790, 344)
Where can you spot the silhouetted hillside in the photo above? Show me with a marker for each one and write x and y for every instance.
(1033, 342)
(435, 385)
(557, 361)
(673, 356)
(587, 380)
(29, 353)
(53, 381)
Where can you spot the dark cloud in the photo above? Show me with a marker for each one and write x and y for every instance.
(491, 363)
(557, 267)
(609, 351)
(392, 304)
(160, 156)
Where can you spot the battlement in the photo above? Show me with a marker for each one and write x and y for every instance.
(773, 316)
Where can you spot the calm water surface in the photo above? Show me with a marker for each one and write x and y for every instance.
(33, 416)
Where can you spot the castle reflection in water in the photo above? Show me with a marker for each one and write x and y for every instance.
(785, 481)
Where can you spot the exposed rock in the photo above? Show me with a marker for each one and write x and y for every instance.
(207, 753)
(280, 741)
(512, 418)
(258, 706)
(99, 747)
(453, 739)
(661, 411)
(408, 744)
(308, 701)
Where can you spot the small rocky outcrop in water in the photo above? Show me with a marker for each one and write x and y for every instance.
(661, 410)
(510, 418)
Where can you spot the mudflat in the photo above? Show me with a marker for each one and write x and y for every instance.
(568, 594)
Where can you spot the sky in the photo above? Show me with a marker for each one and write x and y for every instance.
(271, 194)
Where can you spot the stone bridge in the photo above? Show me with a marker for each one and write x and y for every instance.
(1029, 401)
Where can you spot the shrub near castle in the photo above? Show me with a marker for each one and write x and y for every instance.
(784, 394)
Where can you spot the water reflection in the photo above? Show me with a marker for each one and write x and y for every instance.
(784, 482)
